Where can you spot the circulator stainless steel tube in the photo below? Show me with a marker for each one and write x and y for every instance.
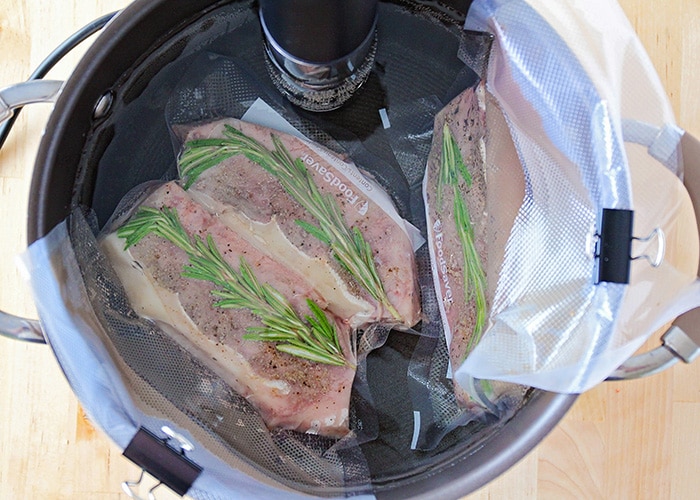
(320, 51)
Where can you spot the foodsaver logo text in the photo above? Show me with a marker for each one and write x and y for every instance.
(336, 182)
(441, 262)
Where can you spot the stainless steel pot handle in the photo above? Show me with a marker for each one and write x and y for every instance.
(676, 346)
(12, 98)
(30, 92)
(681, 342)
(37, 90)
(18, 328)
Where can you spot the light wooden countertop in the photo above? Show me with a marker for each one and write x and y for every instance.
(626, 440)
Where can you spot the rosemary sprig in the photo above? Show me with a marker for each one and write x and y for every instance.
(452, 167)
(314, 339)
(348, 246)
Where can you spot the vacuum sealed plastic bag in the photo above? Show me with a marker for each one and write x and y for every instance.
(470, 207)
(577, 92)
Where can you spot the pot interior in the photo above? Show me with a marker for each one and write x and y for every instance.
(112, 130)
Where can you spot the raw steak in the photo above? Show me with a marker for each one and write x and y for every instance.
(289, 392)
(491, 213)
(257, 198)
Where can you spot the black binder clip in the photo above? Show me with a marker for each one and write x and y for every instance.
(614, 246)
(167, 464)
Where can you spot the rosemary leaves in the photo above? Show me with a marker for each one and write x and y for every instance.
(314, 337)
(452, 172)
(347, 245)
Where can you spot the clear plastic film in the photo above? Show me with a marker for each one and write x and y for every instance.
(579, 95)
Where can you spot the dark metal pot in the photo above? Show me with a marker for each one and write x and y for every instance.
(70, 170)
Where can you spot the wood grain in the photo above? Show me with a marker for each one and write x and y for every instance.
(621, 440)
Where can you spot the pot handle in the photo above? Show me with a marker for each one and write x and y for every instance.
(18, 328)
(681, 342)
(12, 98)
(676, 346)
(30, 92)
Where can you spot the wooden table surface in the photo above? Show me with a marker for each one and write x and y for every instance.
(626, 440)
